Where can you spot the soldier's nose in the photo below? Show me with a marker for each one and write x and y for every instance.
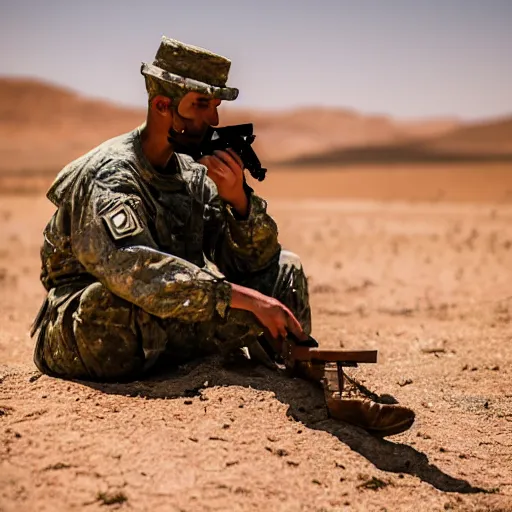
(213, 118)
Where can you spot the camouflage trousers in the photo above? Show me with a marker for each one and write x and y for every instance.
(92, 334)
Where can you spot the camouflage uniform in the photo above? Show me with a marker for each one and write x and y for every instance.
(136, 265)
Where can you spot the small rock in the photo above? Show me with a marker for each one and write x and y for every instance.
(404, 382)
(5, 409)
(433, 350)
(279, 452)
(374, 484)
(56, 467)
(109, 498)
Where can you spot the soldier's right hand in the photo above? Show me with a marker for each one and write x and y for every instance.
(272, 314)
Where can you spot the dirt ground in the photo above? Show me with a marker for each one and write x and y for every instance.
(426, 282)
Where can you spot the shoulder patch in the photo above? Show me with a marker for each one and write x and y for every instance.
(122, 222)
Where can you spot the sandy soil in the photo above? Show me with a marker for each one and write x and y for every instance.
(488, 183)
(427, 284)
(475, 183)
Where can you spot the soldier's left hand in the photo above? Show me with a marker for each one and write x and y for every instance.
(225, 168)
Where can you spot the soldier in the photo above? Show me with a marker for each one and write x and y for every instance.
(153, 254)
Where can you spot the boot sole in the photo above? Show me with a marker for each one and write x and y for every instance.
(393, 430)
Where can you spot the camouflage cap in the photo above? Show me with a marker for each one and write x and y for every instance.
(191, 68)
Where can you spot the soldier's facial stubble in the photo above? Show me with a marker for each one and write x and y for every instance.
(191, 119)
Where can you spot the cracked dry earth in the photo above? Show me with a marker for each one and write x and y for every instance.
(428, 285)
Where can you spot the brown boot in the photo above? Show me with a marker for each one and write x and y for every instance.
(378, 419)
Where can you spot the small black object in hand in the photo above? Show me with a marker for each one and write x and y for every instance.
(238, 138)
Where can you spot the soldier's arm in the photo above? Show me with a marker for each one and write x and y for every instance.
(112, 240)
(239, 245)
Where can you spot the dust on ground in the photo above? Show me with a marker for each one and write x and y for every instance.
(427, 284)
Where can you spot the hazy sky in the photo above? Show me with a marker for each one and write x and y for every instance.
(408, 58)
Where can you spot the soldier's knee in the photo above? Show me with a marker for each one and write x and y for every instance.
(97, 297)
(100, 306)
(291, 269)
(290, 259)
(291, 288)
(95, 291)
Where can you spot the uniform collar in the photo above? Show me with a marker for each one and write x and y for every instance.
(172, 181)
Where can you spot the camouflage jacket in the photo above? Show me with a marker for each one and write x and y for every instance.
(150, 238)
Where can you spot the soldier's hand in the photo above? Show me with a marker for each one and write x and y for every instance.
(225, 168)
(277, 319)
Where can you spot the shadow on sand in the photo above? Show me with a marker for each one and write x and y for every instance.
(306, 404)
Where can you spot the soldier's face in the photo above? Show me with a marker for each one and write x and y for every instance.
(192, 118)
(200, 110)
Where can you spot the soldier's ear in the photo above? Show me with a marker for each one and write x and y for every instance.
(161, 104)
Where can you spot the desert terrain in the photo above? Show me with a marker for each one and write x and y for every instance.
(410, 256)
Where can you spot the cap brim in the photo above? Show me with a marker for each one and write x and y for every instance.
(222, 93)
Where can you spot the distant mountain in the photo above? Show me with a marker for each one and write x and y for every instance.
(310, 131)
(494, 137)
(44, 126)
(479, 142)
